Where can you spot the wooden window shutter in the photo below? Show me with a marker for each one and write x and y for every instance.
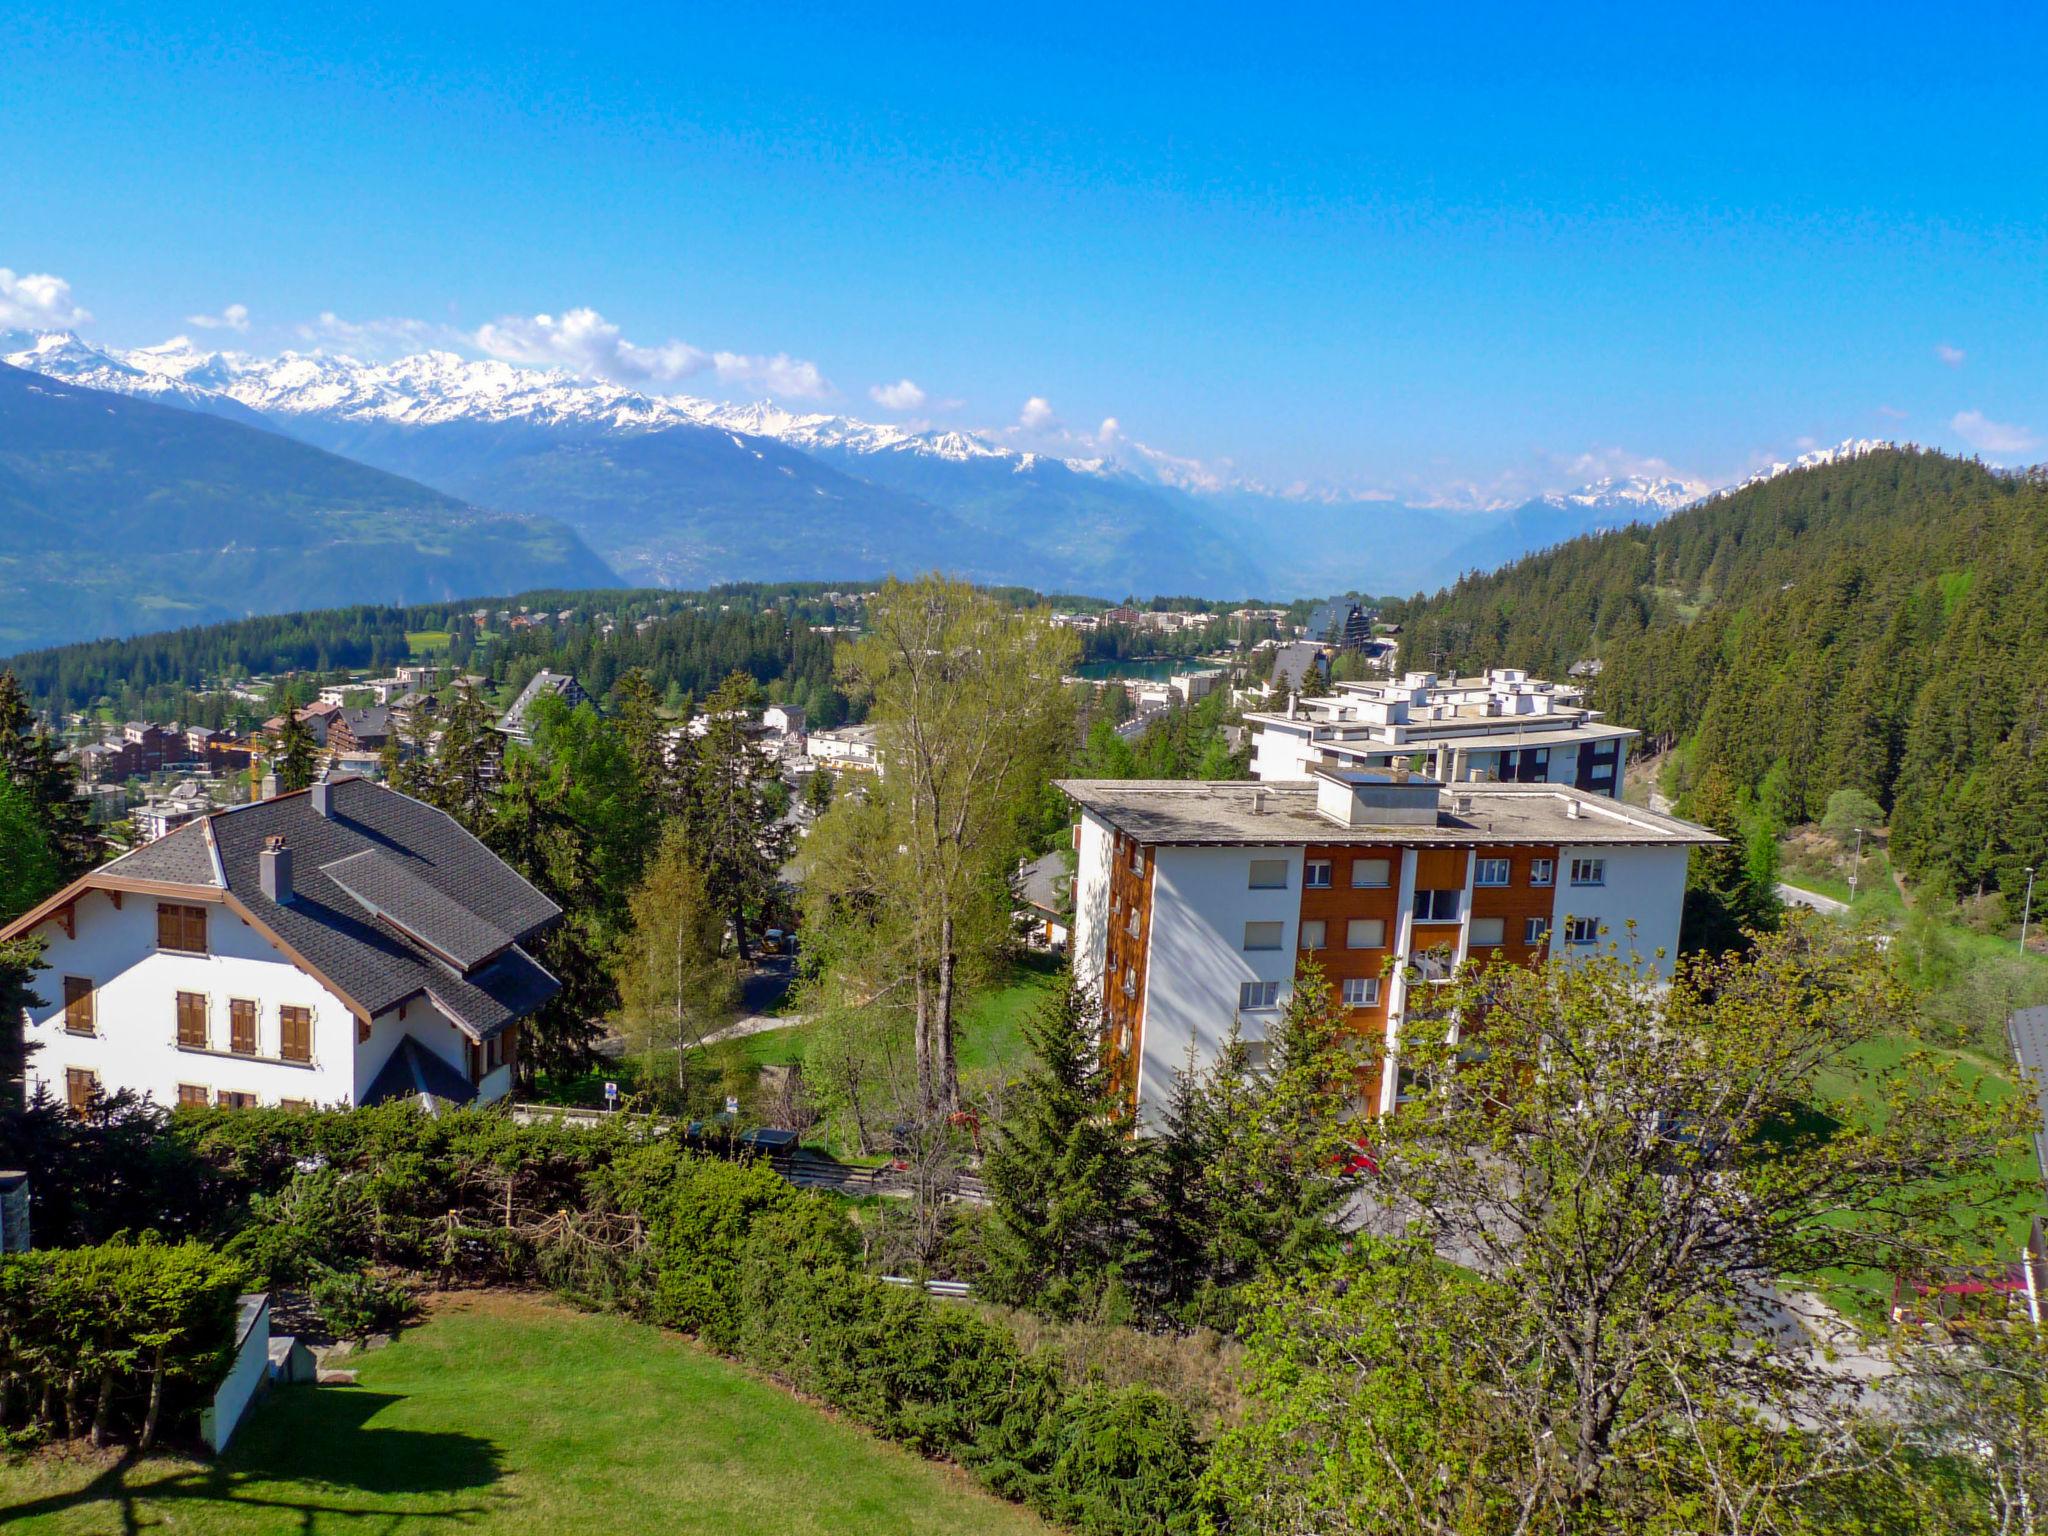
(242, 1027)
(79, 1087)
(78, 1013)
(295, 1034)
(192, 1020)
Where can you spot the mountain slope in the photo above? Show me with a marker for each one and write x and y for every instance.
(1879, 623)
(122, 515)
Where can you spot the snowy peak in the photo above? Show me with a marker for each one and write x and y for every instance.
(1632, 494)
(1848, 448)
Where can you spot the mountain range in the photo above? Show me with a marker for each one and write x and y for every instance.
(123, 515)
(674, 490)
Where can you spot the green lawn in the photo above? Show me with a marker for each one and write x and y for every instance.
(426, 642)
(509, 1414)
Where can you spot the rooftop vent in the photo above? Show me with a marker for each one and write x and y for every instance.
(1573, 809)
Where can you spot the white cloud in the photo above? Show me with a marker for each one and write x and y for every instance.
(1953, 356)
(1891, 413)
(234, 318)
(392, 334)
(1037, 415)
(1988, 436)
(583, 340)
(36, 300)
(1109, 432)
(903, 395)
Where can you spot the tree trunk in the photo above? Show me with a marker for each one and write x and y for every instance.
(103, 1410)
(156, 1399)
(922, 1038)
(71, 1407)
(948, 1064)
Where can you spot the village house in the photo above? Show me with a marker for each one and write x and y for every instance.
(1194, 902)
(341, 945)
(543, 684)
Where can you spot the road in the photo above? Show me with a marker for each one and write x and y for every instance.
(1793, 896)
(767, 984)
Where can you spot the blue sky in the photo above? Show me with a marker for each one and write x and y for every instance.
(1361, 246)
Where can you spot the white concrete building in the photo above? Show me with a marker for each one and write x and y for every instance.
(1195, 902)
(341, 945)
(1505, 726)
(848, 746)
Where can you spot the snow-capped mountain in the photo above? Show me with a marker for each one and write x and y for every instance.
(61, 355)
(1635, 495)
(1848, 448)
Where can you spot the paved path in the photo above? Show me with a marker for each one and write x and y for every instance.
(1793, 896)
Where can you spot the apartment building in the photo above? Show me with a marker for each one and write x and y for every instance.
(1194, 902)
(1505, 726)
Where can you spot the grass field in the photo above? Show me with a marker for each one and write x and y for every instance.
(510, 1414)
(424, 643)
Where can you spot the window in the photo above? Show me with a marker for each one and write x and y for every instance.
(192, 1093)
(192, 1020)
(237, 1100)
(1589, 871)
(1536, 930)
(1315, 874)
(1487, 933)
(81, 1087)
(1137, 860)
(1437, 906)
(1365, 933)
(1490, 872)
(1258, 1054)
(295, 1034)
(181, 928)
(1371, 873)
(1582, 930)
(77, 1006)
(1542, 871)
(1254, 995)
(1130, 983)
(1314, 934)
(242, 1026)
(1361, 991)
(1131, 923)
(295, 1104)
(1263, 935)
(1269, 875)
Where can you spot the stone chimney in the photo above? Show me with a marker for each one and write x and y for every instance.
(274, 870)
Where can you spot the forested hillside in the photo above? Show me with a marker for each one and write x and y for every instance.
(1878, 624)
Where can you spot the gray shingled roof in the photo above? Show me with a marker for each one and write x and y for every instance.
(376, 964)
(385, 887)
(181, 858)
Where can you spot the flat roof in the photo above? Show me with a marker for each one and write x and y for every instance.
(1250, 814)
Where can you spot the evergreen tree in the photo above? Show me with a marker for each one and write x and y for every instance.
(1179, 1225)
(29, 761)
(1724, 900)
(818, 790)
(467, 761)
(295, 757)
(738, 842)
(1062, 1175)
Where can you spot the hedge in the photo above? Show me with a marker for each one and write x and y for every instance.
(121, 1329)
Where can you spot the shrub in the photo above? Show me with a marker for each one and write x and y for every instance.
(709, 1210)
(1124, 1459)
(355, 1303)
(86, 1332)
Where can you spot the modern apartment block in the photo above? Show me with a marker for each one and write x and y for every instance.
(1505, 726)
(1194, 902)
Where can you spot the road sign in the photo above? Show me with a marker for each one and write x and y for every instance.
(732, 1105)
(611, 1095)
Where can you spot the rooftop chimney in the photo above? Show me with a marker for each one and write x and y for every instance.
(274, 870)
(1572, 808)
(323, 799)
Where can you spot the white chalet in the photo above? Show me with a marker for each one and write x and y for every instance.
(342, 945)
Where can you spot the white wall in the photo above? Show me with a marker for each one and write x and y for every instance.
(1646, 884)
(1201, 900)
(136, 1046)
(1091, 899)
(426, 1024)
(1280, 754)
(247, 1373)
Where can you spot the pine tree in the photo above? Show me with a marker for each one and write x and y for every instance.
(1725, 900)
(296, 755)
(1062, 1175)
(739, 843)
(28, 760)
(1179, 1224)
(467, 762)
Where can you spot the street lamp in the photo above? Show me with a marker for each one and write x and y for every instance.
(1855, 866)
(2026, 909)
